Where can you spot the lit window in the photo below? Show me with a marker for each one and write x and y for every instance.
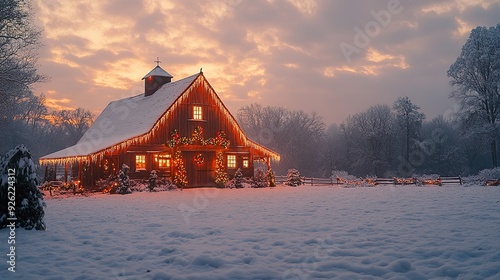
(162, 161)
(140, 162)
(197, 113)
(246, 163)
(231, 161)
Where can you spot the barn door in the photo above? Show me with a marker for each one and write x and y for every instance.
(200, 168)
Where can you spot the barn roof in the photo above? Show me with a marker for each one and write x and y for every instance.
(131, 120)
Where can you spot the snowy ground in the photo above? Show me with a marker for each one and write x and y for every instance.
(384, 232)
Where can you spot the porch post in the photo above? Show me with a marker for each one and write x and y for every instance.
(66, 172)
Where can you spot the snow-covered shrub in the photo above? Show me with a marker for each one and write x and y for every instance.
(19, 183)
(293, 178)
(482, 177)
(271, 178)
(123, 181)
(342, 175)
(152, 180)
(259, 179)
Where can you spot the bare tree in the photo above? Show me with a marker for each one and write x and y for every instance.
(410, 121)
(475, 75)
(73, 123)
(296, 135)
(18, 43)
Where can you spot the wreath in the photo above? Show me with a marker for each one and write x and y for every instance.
(199, 159)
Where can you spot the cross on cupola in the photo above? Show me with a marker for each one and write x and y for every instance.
(155, 79)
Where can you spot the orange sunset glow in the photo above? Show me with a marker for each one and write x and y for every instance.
(280, 53)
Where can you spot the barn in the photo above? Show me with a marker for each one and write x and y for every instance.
(179, 128)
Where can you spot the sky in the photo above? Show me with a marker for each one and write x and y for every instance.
(335, 58)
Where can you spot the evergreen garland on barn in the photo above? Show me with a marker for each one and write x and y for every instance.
(180, 176)
(221, 176)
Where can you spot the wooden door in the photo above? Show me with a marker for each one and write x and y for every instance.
(200, 167)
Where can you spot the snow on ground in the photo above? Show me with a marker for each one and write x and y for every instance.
(384, 232)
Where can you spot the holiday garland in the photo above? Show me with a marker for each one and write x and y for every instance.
(197, 138)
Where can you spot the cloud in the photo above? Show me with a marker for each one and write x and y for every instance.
(275, 52)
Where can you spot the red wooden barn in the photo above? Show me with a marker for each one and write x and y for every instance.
(172, 126)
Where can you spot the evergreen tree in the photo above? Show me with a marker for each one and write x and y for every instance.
(19, 183)
(238, 178)
(293, 178)
(153, 177)
(123, 180)
(271, 179)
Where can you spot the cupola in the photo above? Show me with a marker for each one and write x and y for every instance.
(155, 79)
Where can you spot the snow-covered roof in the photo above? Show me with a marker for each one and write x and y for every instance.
(157, 71)
(124, 119)
(135, 119)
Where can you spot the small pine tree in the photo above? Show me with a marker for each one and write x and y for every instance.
(293, 178)
(238, 179)
(123, 180)
(271, 179)
(19, 183)
(153, 177)
(259, 179)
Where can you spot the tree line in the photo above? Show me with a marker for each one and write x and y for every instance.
(383, 141)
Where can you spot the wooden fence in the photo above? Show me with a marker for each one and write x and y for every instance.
(377, 181)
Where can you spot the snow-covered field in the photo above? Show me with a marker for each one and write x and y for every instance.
(328, 232)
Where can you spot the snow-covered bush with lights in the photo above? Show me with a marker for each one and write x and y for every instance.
(22, 188)
(293, 178)
(123, 181)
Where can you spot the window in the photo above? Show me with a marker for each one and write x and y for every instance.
(197, 113)
(246, 163)
(162, 161)
(231, 161)
(140, 162)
